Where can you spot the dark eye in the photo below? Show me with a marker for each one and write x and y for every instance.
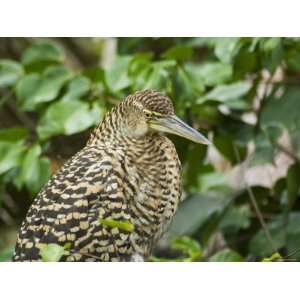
(147, 114)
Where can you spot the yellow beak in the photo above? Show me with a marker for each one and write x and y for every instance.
(172, 124)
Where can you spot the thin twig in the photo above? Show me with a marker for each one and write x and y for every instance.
(255, 205)
(286, 151)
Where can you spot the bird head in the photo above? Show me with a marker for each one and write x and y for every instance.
(149, 111)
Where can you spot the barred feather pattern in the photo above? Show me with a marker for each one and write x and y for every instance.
(115, 176)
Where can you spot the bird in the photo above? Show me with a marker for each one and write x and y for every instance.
(113, 199)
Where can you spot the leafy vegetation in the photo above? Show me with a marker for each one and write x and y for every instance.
(241, 194)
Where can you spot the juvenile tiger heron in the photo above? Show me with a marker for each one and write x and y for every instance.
(127, 174)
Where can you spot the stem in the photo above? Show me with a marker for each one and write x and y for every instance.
(256, 207)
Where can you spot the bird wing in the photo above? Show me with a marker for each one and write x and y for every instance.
(84, 206)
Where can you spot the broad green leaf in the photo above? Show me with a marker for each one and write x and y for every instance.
(227, 147)
(10, 72)
(68, 117)
(272, 52)
(10, 155)
(42, 52)
(260, 245)
(139, 63)
(236, 218)
(293, 183)
(117, 75)
(13, 134)
(35, 171)
(264, 151)
(77, 87)
(226, 255)
(6, 254)
(199, 208)
(52, 253)
(123, 225)
(225, 93)
(209, 74)
(185, 89)
(226, 48)
(34, 89)
(178, 53)
(283, 112)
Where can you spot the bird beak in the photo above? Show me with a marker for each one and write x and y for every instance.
(172, 124)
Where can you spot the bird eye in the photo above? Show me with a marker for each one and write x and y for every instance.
(147, 114)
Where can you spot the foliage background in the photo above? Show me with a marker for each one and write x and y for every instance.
(241, 194)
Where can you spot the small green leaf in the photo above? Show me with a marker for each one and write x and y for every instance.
(52, 253)
(123, 225)
(187, 246)
(273, 258)
(41, 52)
(10, 72)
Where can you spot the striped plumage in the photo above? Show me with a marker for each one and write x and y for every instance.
(126, 172)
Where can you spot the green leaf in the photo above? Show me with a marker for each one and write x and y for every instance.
(199, 208)
(123, 225)
(227, 147)
(274, 257)
(68, 117)
(43, 52)
(13, 134)
(236, 218)
(185, 89)
(293, 183)
(178, 53)
(139, 63)
(226, 48)
(35, 171)
(264, 151)
(187, 246)
(6, 254)
(52, 253)
(34, 89)
(283, 112)
(77, 87)
(10, 155)
(209, 74)
(10, 72)
(224, 93)
(116, 76)
(226, 255)
(260, 245)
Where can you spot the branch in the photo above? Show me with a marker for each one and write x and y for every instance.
(255, 206)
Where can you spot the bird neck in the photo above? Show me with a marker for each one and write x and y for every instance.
(111, 132)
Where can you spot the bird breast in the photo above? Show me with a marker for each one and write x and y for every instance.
(155, 172)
